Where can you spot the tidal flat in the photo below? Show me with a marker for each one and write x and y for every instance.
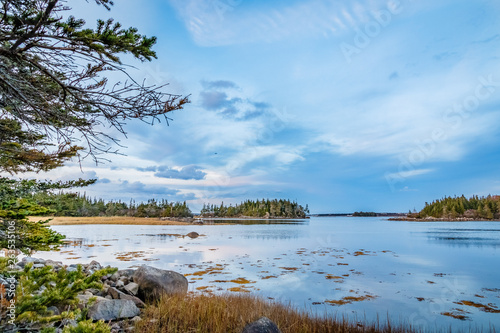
(431, 276)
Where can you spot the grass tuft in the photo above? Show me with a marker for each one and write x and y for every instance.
(230, 313)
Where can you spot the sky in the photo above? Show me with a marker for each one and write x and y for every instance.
(342, 105)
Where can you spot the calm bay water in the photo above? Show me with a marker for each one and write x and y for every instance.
(416, 273)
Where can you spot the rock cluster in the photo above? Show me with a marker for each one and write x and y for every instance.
(123, 293)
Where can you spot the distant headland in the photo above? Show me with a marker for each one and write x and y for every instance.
(461, 208)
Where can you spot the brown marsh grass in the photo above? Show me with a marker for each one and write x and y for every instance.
(68, 220)
(230, 313)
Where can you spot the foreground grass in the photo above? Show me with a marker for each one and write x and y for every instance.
(66, 220)
(230, 313)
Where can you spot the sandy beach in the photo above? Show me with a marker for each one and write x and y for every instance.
(67, 220)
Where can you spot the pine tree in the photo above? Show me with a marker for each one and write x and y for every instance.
(53, 82)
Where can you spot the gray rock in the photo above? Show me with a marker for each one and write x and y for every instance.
(114, 277)
(33, 260)
(119, 284)
(53, 263)
(263, 325)
(116, 294)
(71, 269)
(108, 297)
(154, 282)
(38, 266)
(132, 288)
(126, 272)
(95, 265)
(113, 309)
(136, 319)
(85, 298)
(55, 311)
(193, 234)
(94, 291)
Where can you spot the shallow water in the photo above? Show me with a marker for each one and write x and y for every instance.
(417, 273)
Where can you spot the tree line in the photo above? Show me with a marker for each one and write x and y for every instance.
(55, 102)
(474, 207)
(364, 214)
(258, 208)
(74, 204)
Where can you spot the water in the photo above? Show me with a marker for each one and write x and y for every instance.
(416, 273)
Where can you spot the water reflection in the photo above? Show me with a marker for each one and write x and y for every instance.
(256, 221)
(465, 241)
(381, 266)
(466, 237)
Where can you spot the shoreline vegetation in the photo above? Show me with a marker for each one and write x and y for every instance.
(80, 205)
(457, 209)
(129, 220)
(231, 313)
(264, 208)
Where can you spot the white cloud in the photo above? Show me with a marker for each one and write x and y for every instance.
(213, 24)
(409, 173)
(419, 114)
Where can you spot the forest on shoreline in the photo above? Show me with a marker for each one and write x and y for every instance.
(262, 209)
(78, 205)
(460, 208)
(74, 204)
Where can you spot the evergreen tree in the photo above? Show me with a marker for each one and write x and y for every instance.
(458, 207)
(53, 82)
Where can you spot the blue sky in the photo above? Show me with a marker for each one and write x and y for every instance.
(344, 105)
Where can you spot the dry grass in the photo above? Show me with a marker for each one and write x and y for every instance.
(64, 220)
(230, 313)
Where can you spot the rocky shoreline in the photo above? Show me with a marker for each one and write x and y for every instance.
(122, 298)
(442, 219)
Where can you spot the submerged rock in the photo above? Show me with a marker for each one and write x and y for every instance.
(193, 234)
(154, 282)
(263, 325)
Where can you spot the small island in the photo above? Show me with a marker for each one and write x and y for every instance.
(265, 208)
(460, 208)
(365, 214)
